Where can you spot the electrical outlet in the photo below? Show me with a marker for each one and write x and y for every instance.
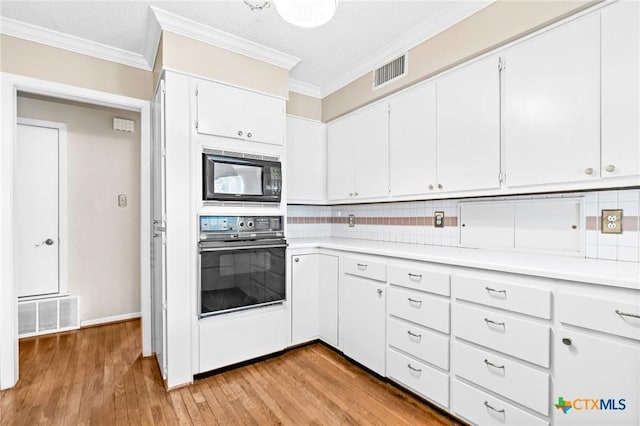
(352, 220)
(438, 219)
(611, 222)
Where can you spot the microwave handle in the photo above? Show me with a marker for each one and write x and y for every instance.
(257, 246)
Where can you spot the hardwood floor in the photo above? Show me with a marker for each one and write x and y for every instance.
(97, 376)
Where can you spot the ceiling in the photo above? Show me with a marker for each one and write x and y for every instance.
(331, 55)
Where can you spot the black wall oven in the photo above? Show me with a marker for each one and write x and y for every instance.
(242, 263)
(242, 177)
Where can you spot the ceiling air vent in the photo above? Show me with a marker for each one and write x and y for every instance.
(390, 71)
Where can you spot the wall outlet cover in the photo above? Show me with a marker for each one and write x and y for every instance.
(438, 219)
(352, 220)
(611, 221)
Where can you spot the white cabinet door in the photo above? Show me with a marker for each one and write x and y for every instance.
(306, 160)
(328, 299)
(362, 321)
(237, 113)
(551, 109)
(412, 141)
(587, 367)
(340, 154)
(468, 110)
(304, 297)
(621, 89)
(372, 152)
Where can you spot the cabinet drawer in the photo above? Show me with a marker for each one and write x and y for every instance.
(528, 300)
(418, 342)
(423, 309)
(420, 279)
(513, 380)
(520, 338)
(424, 380)
(601, 314)
(482, 409)
(365, 268)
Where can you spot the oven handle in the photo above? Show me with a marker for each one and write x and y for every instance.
(229, 248)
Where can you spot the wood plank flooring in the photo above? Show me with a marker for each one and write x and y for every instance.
(97, 376)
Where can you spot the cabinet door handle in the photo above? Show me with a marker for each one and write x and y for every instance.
(297, 259)
(610, 168)
(417, 336)
(419, 302)
(362, 266)
(417, 370)
(249, 134)
(430, 187)
(588, 171)
(240, 133)
(489, 363)
(439, 186)
(415, 277)
(627, 314)
(488, 321)
(379, 292)
(493, 290)
(486, 404)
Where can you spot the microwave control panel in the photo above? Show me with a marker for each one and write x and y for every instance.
(239, 224)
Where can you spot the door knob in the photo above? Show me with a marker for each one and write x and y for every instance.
(48, 242)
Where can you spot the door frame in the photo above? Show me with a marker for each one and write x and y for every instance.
(63, 284)
(10, 84)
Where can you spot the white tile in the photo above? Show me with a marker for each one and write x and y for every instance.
(592, 252)
(591, 197)
(592, 237)
(608, 196)
(628, 239)
(630, 208)
(591, 209)
(607, 252)
(629, 195)
(628, 254)
(610, 240)
(607, 205)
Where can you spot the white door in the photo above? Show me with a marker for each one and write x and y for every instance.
(328, 299)
(36, 211)
(412, 141)
(159, 252)
(306, 160)
(372, 152)
(304, 307)
(340, 158)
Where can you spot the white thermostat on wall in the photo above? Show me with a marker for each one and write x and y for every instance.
(124, 125)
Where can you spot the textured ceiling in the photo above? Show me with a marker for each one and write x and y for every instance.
(358, 30)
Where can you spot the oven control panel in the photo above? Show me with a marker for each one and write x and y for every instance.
(240, 226)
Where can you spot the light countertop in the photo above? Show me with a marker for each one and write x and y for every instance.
(562, 267)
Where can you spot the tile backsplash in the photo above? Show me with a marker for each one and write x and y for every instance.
(412, 222)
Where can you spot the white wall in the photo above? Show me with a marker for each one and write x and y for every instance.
(104, 239)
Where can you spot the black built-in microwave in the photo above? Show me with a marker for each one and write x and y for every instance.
(231, 178)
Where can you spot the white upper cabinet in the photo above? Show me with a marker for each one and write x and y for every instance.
(552, 106)
(412, 141)
(241, 114)
(306, 161)
(621, 89)
(358, 155)
(468, 110)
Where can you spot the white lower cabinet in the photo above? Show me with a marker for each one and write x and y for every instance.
(419, 377)
(418, 341)
(362, 321)
(481, 408)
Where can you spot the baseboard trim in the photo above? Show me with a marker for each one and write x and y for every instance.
(106, 320)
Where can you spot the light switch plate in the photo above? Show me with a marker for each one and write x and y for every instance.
(438, 219)
(611, 221)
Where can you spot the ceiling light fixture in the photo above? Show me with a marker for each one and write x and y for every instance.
(257, 5)
(306, 13)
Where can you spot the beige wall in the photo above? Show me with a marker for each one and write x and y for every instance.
(493, 26)
(18, 56)
(202, 59)
(304, 106)
(103, 239)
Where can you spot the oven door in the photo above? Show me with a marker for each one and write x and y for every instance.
(240, 275)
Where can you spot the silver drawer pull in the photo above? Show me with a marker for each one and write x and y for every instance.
(489, 363)
(417, 370)
(417, 336)
(627, 314)
(415, 277)
(419, 302)
(493, 290)
(486, 404)
(488, 321)
(362, 266)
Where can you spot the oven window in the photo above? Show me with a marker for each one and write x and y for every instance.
(238, 279)
(237, 179)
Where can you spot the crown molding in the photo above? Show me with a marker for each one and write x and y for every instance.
(71, 43)
(152, 42)
(186, 27)
(456, 13)
(304, 88)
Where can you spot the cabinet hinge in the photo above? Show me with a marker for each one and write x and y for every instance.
(502, 177)
(501, 65)
(196, 92)
(163, 152)
(196, 125)
(163, 89)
